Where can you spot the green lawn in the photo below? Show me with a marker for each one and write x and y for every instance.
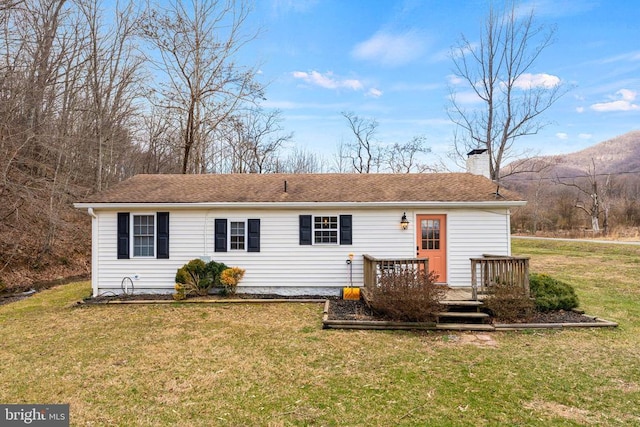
(273, 365)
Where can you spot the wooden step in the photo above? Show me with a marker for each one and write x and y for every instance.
(462, 303)
(465, 327)
(461, 314)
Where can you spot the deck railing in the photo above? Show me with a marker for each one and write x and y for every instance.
(490, 269)
(375, 267)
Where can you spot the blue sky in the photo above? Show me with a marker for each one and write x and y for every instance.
(388, 60)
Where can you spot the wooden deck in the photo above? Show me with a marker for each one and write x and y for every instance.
(486, 272)
(459, 294)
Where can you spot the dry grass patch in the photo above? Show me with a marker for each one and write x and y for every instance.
(553, 409)
(183, 364)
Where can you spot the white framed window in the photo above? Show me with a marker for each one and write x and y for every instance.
(325, 230)
(237, 235)
(144, 235)
(242, 234)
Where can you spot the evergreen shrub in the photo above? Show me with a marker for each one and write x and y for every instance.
(552, 294)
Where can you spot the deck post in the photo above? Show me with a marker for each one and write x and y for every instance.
(474, 279)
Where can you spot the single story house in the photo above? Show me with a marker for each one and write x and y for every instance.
(293, 233)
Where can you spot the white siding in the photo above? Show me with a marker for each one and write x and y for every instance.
(285, 265)
(470, 234)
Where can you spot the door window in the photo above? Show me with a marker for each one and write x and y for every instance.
(430, 234)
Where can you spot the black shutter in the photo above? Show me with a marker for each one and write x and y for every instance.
(253, 235)
(345, 230)
(123, 235)
(220, 244)
(305, 229)
(163, 235)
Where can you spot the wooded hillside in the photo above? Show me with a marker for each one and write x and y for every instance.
(92, 93)
(595, 189)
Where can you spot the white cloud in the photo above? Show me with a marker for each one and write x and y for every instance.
(614, 106)
(351, 84)
(580, 109)
(469, 97)
(391, 49)
(374, 93)
(564, 136)
(623, 103)
(627, 95)
(455, 80)
(530, 81)
(330, 81)
(625, 57)
(327, 80)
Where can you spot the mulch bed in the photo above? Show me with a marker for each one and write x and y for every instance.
(339, 309)
(169, 297)
(358, 310)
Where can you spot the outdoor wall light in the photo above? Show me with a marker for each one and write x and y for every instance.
(404, 222)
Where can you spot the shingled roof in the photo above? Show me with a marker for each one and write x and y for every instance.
(299, 188)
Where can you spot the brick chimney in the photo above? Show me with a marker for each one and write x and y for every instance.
(478, 162)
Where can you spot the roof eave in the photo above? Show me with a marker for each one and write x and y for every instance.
(298, 205)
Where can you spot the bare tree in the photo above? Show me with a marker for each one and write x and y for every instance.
(339, 159)
(302, 161)
(593, 191)
(195, 45)
(113, 79)
(405, 158)
(248, 142)
(261, 137)
(367, 155)
(158, 141)
(497, 69)
(629, 201)
(363, 152)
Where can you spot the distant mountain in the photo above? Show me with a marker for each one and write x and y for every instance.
(619, 154)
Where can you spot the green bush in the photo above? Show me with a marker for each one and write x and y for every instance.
(215, 270)
(551, 294)
(197, 277)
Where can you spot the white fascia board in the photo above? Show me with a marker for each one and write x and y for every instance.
(301, 205)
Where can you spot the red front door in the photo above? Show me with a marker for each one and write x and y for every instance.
(432, 243)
